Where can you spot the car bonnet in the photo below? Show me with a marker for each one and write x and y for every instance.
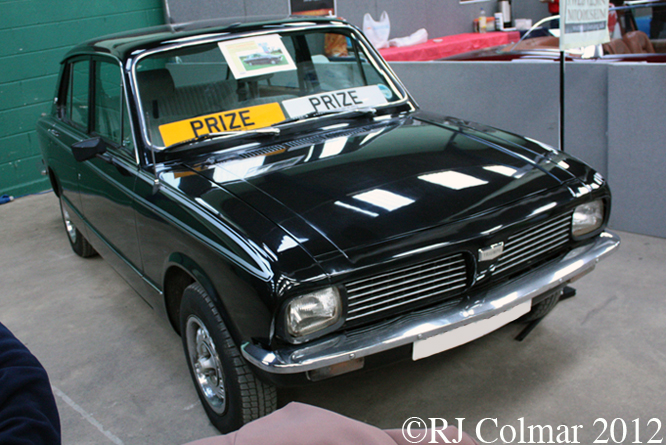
(360, 185)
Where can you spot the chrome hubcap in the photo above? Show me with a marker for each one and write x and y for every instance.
(206, 364)
(69, 226)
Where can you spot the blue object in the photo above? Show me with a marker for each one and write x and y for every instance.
(6, 198)
(643, 24)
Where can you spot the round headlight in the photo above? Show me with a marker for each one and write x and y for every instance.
(587, 218)
(313, 312)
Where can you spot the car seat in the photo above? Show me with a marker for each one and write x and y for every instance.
(638, 42)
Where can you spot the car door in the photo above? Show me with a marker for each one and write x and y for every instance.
(70, 126)
(106, 182)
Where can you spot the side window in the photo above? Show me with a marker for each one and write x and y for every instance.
(111, 120)
(76, 104)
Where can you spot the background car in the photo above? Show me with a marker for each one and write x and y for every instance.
(637, 31)
(310, 221)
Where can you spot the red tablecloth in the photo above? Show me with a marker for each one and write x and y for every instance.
(440, 47)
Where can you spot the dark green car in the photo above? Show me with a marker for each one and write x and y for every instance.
(305, 219)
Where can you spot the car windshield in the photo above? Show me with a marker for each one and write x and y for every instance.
(201, 90)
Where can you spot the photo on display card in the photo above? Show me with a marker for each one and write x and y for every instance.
(256, 56)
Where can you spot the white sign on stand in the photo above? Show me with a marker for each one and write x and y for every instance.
(583, 23)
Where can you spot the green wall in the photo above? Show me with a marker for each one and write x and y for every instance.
(34, 36)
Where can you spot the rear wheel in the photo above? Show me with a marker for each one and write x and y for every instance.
(230, 393)
(79, 244)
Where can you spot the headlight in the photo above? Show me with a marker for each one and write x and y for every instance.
(313, 312)
(587, 218)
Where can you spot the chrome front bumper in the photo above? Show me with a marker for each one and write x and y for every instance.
(408, 329)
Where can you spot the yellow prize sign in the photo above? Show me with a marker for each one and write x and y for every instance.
(233, 120)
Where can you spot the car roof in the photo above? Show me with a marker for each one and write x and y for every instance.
(638, 3)
(122, 45)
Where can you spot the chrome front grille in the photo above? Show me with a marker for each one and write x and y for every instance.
(388, 293)
(534, 243)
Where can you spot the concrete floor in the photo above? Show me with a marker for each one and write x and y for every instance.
(120, 376)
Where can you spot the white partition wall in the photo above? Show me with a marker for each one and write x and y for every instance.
(637, 147)
(522, 98)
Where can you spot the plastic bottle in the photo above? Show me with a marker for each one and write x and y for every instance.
(482, 20)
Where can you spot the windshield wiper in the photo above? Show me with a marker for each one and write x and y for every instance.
(339, 112)
(225, 135)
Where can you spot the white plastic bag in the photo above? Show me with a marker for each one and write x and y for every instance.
(420, 36)
(377, 31)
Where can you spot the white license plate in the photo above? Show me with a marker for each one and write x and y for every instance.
(449, 340)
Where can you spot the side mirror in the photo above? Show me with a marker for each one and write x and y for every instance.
(88, 149)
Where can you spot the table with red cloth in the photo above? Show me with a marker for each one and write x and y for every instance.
(440, 47)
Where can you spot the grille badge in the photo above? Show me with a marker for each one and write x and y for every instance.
(491, 252)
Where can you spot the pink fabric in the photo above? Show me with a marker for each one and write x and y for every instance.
(300, 424)
(449, 46)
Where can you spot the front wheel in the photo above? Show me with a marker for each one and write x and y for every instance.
(542, 308)
(79, 244)
(230, 393)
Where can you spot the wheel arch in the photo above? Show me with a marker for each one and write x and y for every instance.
(55, 184)
(180, 272)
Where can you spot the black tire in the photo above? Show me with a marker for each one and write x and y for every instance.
(79, 243)
(230, 393)
(542, 308)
